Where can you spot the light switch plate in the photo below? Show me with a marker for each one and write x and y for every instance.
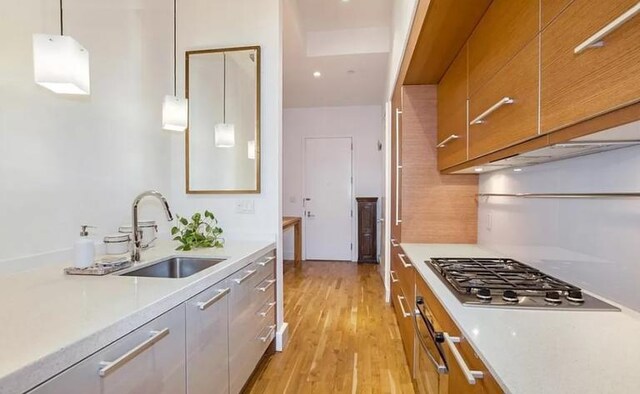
(245, 207)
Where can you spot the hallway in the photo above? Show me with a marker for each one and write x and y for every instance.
(343, 338)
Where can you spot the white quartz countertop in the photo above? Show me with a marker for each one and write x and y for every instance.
(51, 320)
(539, 351)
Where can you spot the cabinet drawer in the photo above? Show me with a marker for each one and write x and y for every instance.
(264, 292)
(150, 359)
(503, 31)
(403, 307)
(266, 265)
(208, 341)
(550, 9)
(595, 80)
(452, 113)
(495, 123)
(405, 274)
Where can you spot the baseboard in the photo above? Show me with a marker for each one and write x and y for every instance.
(282, 336)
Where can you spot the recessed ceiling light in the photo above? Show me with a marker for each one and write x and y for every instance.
(517, 169)
(345, 1)
(479, 169)
(317, 74)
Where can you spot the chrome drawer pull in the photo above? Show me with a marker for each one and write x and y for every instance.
(267, 261)
(596, 40)
(446, 140)
(270, 283)
(404, 311)
(249, 274)
(205, 304)
(110, 366)
(404, 263)
(393, 279)
(470, 375)
(269, 333)
(494, 107)
(394, 243)
(269, 308)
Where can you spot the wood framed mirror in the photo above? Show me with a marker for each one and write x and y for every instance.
(222, 141)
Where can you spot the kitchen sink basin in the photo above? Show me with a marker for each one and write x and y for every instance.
(175, 267)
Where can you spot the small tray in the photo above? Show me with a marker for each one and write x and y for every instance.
(104, 266)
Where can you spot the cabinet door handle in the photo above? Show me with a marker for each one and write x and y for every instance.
(269, 333)
(394, 243)
(393, 279)
(270, 306)
(469, 374)
(446, 140)
(596, 39)
(493, 108)
(398, 166)
(266, 261)
(270, 283)
(110, 366)
(221, 294)
(404, 263)
(249, 274)
(404, 311)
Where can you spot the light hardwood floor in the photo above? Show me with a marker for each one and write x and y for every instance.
(343, 337)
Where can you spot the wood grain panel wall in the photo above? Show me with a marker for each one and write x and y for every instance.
(436, 208)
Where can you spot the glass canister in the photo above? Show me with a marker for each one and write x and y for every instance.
(147, 228)
(116, 243)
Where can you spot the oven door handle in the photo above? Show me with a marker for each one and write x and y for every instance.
(440, 368)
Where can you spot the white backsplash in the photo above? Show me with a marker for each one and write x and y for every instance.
(592, 243)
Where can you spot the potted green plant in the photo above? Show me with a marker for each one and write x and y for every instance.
(201, 231)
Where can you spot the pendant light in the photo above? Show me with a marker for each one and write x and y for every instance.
(175, 110)
(225, 132)
(60, 63)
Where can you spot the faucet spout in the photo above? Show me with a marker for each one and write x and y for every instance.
(137, 238)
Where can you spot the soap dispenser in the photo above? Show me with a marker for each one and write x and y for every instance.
(84, 249)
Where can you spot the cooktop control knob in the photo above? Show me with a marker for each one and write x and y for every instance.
(575, 296)
(510, 296)
(553, 297)
(484, 294)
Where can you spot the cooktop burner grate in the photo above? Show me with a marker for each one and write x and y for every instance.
(467, 275)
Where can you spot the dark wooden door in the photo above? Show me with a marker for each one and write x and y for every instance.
(367, 224)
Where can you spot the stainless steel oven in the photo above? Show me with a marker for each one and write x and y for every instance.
(431, 371)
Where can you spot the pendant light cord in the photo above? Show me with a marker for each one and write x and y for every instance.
(175, 48)
(224, 87)
(61, 20)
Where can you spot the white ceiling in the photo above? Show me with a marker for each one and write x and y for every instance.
(347, 41)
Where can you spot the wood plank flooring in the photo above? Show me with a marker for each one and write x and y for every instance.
(343, 337)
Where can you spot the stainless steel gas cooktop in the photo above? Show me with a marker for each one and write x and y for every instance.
(507, 283)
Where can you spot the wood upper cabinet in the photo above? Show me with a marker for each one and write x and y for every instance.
(506, 27)
(505, 110)
(549, 9)
(452, 113)
(580, 82)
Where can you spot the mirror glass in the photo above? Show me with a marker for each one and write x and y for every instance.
(223, 137)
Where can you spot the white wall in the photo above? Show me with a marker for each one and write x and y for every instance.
(594, 244)
(206, 24)
(64, 160)
(364, 123)
(401, 20)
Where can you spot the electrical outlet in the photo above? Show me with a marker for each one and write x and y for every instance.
(489, 222)
(245, 207)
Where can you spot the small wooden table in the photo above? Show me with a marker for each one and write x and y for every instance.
(296, 223)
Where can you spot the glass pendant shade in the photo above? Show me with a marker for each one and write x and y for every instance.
(251, 149)
(175, 113)
(225, 135)
(61, 64)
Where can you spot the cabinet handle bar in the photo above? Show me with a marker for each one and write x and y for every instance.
(110, 366)
(446, 140)
(404, 311)
(404, 262)
(470, 375)
(595, 40)
(221, 293)
(270, 283)
(493, 108)
(249, 274)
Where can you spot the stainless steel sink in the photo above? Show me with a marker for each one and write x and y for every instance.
(175, 267)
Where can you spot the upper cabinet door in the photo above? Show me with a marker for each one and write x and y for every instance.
(590, 61)
(452, 113)
(505, 111)
(504, 30)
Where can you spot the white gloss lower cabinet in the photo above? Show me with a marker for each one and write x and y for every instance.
(208, 341)
(150, 359)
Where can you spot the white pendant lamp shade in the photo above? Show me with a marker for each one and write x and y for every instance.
(225, 135)
(251, 149)
(61, 64)
(175, 113)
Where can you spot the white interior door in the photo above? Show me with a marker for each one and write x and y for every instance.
(328, 198)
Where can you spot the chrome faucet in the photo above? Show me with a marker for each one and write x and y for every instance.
(137, 238)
